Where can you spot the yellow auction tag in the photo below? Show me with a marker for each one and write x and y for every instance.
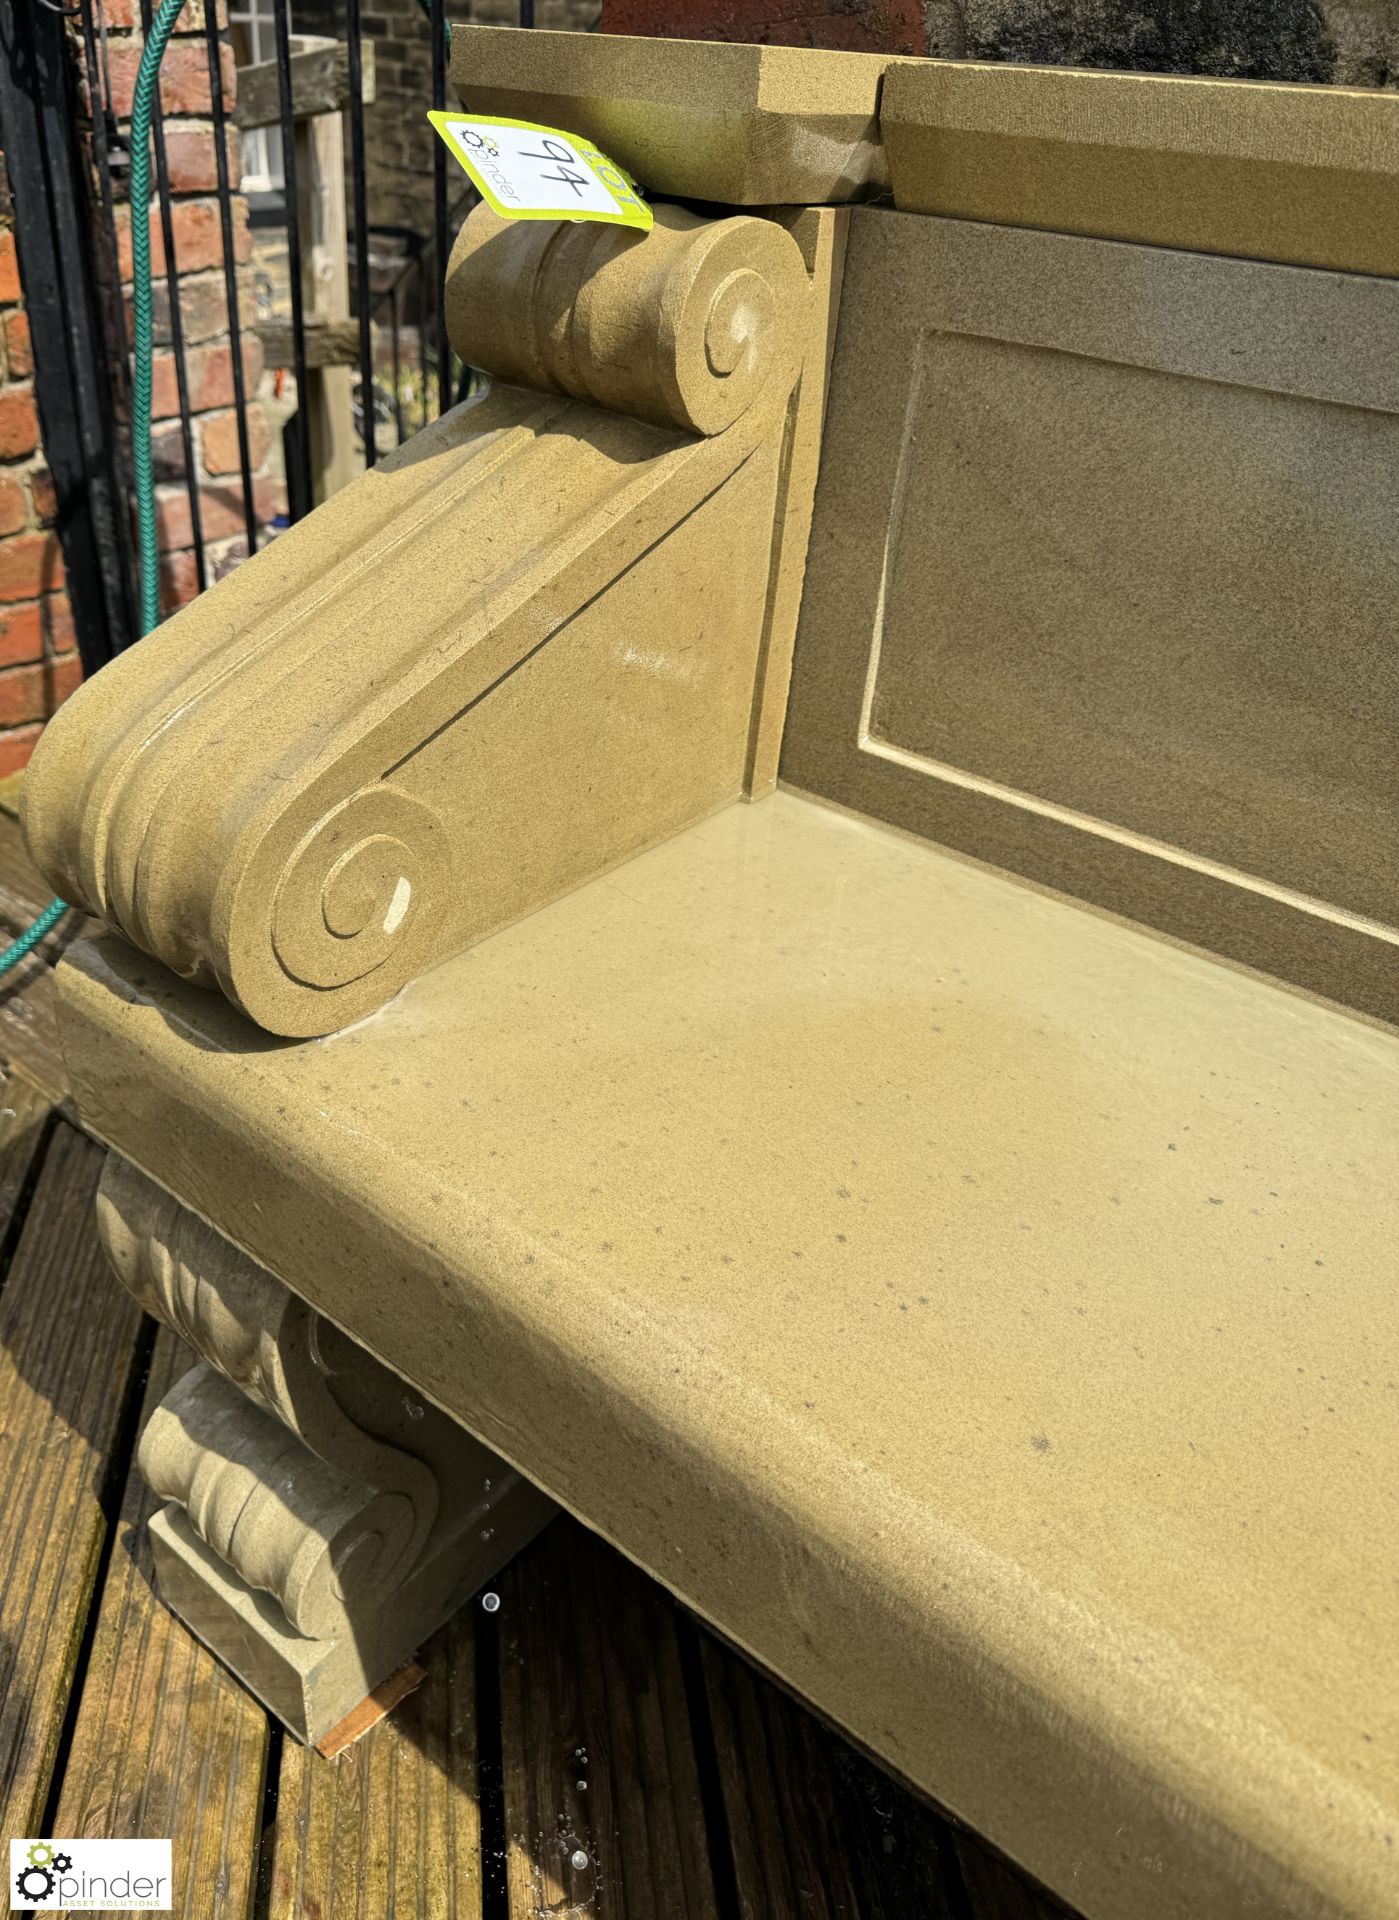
(527, 172)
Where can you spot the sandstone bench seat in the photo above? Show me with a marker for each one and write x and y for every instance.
(979, 1308)
(941, 1219)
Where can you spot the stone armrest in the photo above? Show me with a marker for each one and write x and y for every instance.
(531, 643)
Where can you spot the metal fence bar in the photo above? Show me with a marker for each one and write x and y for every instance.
(102, 154)
(47, 183)
(177, 329)
(361, 206)
(416, 284)
(230, 272)
(282, 34)
(395, 309)
(439, 207)
(422, 342)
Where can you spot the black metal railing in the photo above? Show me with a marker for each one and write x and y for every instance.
(391, 335)
(224, 186)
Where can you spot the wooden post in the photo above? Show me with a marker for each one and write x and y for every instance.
(320, 94)
(325, 281)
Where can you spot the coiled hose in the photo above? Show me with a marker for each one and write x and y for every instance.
(142, 101)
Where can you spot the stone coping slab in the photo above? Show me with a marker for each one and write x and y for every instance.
(743, 125)
(1303, 175)
(980, 1309)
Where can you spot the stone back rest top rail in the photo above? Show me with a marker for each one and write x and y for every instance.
(368, 748)
(1299, 174)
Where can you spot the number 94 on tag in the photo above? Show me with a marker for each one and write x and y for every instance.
(526, 172)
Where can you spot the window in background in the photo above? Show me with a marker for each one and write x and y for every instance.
(251, 32)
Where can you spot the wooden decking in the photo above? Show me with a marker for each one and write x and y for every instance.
(586, 1749)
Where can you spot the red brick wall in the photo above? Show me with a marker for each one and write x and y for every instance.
(38, 664)
(198, 248)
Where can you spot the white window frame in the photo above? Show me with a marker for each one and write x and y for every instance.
(262, 146)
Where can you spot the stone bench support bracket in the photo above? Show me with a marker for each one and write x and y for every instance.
(321, 1519)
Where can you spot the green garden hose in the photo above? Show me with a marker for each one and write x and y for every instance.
(148, 547)
(142, 100)
(32, 934)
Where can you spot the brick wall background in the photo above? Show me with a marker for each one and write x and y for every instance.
(187, 101)
(39, 665)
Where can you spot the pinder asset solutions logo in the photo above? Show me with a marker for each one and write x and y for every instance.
(86, 1876)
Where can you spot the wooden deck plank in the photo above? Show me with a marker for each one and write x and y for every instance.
(68, 1345)
(25, 1115)
(24, 892)
(29, 1028)
(597, 1749)
(392, 1826)
(166, 1743)
(28, 1023)
(815, 1828)
(998, 1891)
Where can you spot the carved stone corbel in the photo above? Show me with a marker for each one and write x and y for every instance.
(524, 648)
(323, 1521)
(322, 1543)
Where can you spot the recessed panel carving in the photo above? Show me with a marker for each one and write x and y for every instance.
(1102, 582)
(1163, 603)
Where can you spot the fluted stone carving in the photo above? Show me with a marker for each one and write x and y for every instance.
(298, 1467)
(288, 1523)
(686, 330)
(522, 649)
(342, 1402)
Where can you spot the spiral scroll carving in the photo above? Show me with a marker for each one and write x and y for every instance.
(303, 1462)
(684, 326)
(362, 890)
(374, 744)
(288, 1523)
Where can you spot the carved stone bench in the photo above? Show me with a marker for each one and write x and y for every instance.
(940, 1220)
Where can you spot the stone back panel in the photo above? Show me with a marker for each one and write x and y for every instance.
(1099, 578)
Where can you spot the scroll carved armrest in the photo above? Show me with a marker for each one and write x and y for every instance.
(521, 650)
